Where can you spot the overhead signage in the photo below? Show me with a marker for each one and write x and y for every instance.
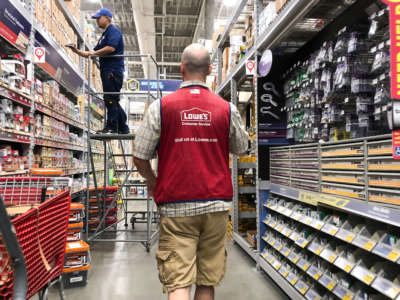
(14, 27)
(144, 85)
(39, 55)
(57, 67)
(394, 7)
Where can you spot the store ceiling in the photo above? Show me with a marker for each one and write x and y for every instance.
(174, 23)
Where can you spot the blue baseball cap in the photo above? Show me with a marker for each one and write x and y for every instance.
(102, 12)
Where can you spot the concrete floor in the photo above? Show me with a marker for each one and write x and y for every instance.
(125, 271)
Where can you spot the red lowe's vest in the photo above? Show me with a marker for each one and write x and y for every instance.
(194, 148)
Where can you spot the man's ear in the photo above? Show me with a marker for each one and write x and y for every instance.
(182, 67)
(209, 69)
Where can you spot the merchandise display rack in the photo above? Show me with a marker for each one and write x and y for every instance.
(356, 177)
(72, 85)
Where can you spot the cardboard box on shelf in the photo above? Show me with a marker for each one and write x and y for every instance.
(251, 238)
(217, 35)
(279, 4)
(225, 57)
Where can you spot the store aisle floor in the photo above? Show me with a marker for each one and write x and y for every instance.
(126, 272)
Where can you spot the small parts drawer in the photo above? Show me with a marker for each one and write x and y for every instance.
(305, 164)
(280, 172)
(346, 150)
(346, 191)
(309, 175)
(384, 180)
(281, 154)
(343, 164)
(343, 178)
(280, 164)
(388, 196)
(305, 185)
(380, 148)
(281, 181)
(304, 153)
(383, 163)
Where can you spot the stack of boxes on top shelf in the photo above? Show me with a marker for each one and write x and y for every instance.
(98, 209)
(74, 7)
(50, 15)
(77, 252)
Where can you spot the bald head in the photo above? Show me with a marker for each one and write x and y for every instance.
(196, 60)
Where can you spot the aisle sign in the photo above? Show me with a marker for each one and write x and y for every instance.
(39, 55)
(14, 25)
(394, 6)
(250, 67)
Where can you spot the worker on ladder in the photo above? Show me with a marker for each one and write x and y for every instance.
(111, 70)
(193, 131)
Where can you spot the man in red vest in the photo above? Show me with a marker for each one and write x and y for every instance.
(193, 130)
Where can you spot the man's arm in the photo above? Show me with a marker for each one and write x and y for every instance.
(238, 137)
(101, 52)
(146, 140)
(147, 172)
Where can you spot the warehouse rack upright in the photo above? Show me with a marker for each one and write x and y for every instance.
(355, 178)
(106, 198)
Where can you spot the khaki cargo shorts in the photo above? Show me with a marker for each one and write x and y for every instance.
(192, 250)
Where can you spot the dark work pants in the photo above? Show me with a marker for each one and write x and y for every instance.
(116, 117)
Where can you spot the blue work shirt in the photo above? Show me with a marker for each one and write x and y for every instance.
(112, 37)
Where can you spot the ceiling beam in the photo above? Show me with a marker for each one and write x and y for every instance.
(145, 25)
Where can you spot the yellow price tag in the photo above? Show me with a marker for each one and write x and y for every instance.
(279, 248)
(308, 221)
(265, 256)
(287, 253)
(317, 276)
(348, 268)
(330, 286)
(369, 245)
(293, 282)
(273, 243)
(273, 225)
(271, 260)
(332, 258)
(281, 209)
(288, 233)
(296, 259)
(394, 255)
(281, 228)
(350, 238)
(319, 226)
(303, 290)
(298, 217)
(269, 204)
(306, 267)
(318, 252)
(304, 244)
(368, 279)
(277, 267)
(347, 297)
(333, 231)
(285, 274)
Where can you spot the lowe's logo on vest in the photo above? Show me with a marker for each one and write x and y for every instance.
(196, 117)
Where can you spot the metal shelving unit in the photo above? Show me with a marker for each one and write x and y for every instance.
(28, 101)
(345, 168)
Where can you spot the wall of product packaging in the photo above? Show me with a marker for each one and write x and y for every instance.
(41, 123)
(331, 64)
(327, 253)
(342, 91)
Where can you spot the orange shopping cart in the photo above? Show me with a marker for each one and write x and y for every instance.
(34, 214)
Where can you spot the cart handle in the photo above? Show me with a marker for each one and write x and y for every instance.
(20, 275)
